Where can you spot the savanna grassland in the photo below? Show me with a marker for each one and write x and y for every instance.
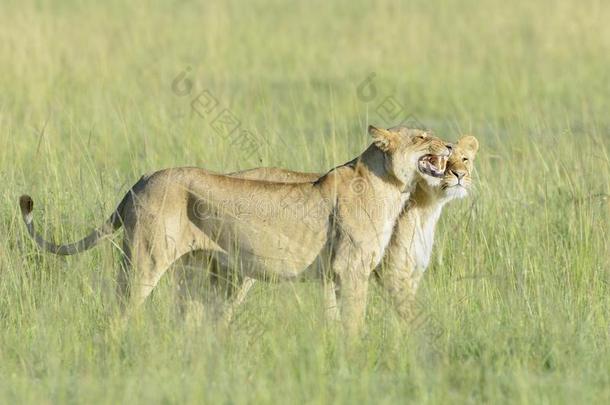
(515, 306)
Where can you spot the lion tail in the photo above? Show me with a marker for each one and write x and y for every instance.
(92, 239)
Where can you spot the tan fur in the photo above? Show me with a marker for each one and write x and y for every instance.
(408, 254)
(267, 230)
(409, 251)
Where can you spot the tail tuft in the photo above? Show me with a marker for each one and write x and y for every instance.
(26, 204)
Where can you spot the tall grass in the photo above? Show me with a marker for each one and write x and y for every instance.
(515, 305)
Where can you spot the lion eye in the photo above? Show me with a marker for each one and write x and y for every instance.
(465, 159)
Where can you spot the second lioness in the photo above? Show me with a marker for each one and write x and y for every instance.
(408, 253)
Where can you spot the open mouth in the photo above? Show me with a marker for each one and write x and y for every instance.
(433, 165)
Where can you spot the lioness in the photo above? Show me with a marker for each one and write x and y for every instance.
(408, 253)
(267, 230)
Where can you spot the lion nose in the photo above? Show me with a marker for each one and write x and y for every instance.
(458, 174)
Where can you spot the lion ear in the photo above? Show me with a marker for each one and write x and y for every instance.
(383, 139)
(469, 144)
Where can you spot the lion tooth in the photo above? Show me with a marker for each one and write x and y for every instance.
(443, 164)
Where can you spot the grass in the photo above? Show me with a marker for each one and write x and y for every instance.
(517, 299)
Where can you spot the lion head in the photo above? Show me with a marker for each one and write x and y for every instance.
(408, 150)
(457, 179)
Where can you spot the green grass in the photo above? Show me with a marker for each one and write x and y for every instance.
(519, 285)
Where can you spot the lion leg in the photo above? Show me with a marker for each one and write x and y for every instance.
(330, 301)
(230, 286)
(401, 286)
(237, 298)
(198, 298)
(330, 289)
(352, 268)
(123, 276)
(354, 289)
(135, 281)
(147, 258)
(227, 288)
(189, 282)
(147, 273)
